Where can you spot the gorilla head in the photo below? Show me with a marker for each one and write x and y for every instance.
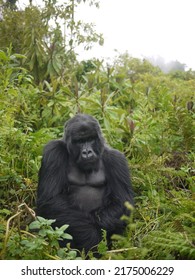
(85, 143)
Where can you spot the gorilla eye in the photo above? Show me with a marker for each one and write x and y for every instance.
(83, 140)
(90, 139)
(77, 141)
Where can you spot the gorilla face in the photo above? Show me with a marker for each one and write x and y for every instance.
(84, 141)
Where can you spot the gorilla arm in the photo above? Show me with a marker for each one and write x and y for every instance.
(82, 226)
(52, 174)
(119, 191)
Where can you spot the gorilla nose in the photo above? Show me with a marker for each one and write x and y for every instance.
(87, 153)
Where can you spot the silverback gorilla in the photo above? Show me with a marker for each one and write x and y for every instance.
(84, 183)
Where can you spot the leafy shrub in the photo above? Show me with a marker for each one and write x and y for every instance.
(148, 115)
(43, 244)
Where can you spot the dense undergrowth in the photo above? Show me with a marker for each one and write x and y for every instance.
(144, 113)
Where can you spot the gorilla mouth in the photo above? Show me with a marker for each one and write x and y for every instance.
(84, 161)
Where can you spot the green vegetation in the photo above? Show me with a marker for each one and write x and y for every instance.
(146, 114)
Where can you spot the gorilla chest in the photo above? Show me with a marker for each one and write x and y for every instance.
(86, 190)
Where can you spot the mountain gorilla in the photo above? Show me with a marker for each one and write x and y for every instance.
(84, 183)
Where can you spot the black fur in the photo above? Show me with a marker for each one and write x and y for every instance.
(84, 183)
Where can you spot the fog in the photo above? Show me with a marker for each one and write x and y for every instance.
(144, 28)
(149, 28)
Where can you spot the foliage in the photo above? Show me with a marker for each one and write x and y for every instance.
(43, 244)
(47, 35)
(145, 113)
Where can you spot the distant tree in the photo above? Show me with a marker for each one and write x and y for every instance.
(187, 75)
(175, 66)
(11, 4)
(46, 35)
(131, 67)
(166, 67)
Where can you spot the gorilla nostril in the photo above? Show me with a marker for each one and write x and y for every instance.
(84, 153)
(87, 153)
(90, 154)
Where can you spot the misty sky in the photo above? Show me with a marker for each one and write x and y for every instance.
(143, 28)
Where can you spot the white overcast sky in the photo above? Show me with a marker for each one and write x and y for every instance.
(143, 28)
(146, 28)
